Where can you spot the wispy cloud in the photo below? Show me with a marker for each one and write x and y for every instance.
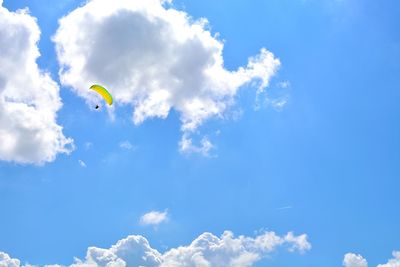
(82, 163)
(88, 145)
(186, 146)
(277, 104)
(283, 84)
(126, 145)
(284, 208)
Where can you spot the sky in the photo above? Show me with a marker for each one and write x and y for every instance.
(243, 133)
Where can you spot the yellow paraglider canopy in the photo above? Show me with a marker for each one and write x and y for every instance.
(103, 92)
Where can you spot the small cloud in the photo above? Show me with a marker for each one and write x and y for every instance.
(154, 218)
(186, 146)
(126, 145)
(283, 84)
(82, 163)
(88, 145)
(278, 104)
(284, 208)
(353, 260)
(298, 243)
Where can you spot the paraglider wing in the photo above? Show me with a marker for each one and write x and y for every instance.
(103, 92)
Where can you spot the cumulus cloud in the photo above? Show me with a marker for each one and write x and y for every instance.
(210, 250)
(205, 250)
(154, 59)
(131, 251)
(5, 259)
(354, 260)
(154, 218)
(395, 262)
(29, 98)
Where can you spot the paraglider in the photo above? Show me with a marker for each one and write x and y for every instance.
(103, 92)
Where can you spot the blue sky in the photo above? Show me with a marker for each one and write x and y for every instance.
(326, 164)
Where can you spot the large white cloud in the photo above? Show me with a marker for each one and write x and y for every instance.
(131, 251)
(354, 260)
(155, 59)
(210, 250)
(205, 250)
(29, 98)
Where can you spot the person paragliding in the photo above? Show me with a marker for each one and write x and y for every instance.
(102, 92)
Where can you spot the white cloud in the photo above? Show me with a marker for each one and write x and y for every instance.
(29, 98)
(284, 84)
(154, 59)
(186, 145)
(284, 208)
(299, 243)
(395, 262)
(354, 260)
(81, 163)
(154, 218)
(88, 145)
(131, 251)
(5, 260)
(126, 145)
(209, 250)
(277, 103)
(205, 250)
